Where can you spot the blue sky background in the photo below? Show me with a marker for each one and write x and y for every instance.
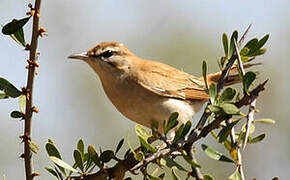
(180, 33)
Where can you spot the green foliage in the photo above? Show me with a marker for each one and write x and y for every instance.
(210, 152)
(15, 30)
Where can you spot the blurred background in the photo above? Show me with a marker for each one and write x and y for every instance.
(72, 102)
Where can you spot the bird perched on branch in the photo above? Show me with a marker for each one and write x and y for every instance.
(144, 90)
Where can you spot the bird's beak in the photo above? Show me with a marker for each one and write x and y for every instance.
(82, 56)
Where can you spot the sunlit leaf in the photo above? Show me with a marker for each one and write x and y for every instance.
(61, 163)
(189, 160)
(3, 96)
(262, 42)
(244, 51)
(236, 176)
(266, 121)
(139, 156)
(174, 175)
(208, 177)
(230, 109)
(143, 136)
(210, 152)
(225, 44)
(22, 103)
(33, 147)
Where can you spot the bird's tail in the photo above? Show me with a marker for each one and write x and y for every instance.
(232, 78)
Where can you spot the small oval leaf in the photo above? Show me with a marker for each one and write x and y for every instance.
(106, 156)
(62, 164)
(16, 114)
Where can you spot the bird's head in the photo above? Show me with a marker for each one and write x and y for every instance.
(108, 56)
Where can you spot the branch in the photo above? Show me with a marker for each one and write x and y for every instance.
(29, 92)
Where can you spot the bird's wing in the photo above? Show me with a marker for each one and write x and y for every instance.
(168, 81)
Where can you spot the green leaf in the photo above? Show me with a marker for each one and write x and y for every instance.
(189, 160)
(12, 91)
(227, 95)
(235, 176)
(14, 26)
(171, 163)
(52, 150)
(178, 133)
(244, 51)
(106, 156)
(210, 152)
(204, 72)
(143, 136)
(94, 155)
(120, 144)
(172, 122)
(252, 44)
(174, 175)
(3, 96)
(232, 44)
(16, 114)
(252, 128)
(230, 109)
(139, 156)
(78, 159)
(18, 36)
(223, 134)
(258, 52)
(208, 177)
(52, 171)
(22, 103)
(214, 108)
(3, 83)
(62, 164)
(186, 129)
(266, 121)
(226, 44)
(262, 42)
(33, 147)
(248, 79)
(81, 147)
(212, 92)
(257, 139)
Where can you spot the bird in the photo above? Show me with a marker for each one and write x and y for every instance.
(147, 91)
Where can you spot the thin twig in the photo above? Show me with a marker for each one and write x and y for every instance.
(29, 92)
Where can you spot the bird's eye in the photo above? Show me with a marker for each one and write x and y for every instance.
(107, 54)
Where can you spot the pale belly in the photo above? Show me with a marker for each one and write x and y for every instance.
(144, 107)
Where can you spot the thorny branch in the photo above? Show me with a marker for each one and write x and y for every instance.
(29, 92)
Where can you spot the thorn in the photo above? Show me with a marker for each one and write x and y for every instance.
(38, 15)
(35, 174)
(32, 63)
(35, 72)
(22, 155)
(42, 31)
(30, 6)
(31, 12)
(27, 47)
(34, 109)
